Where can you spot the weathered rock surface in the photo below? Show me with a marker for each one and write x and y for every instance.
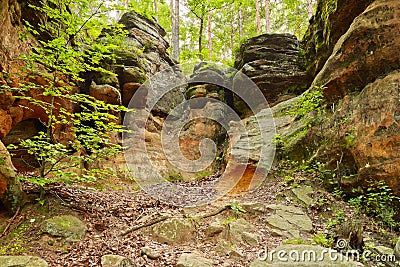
(331, 20)
(150, 253)
(289, 220)
(304, 256)
(364, 52)
(242, 232)
(173, 231)
(147, 36)
(370, 135)
(22, 261)
(362, 89)
(302, 194)
(272, 62)
(116, 261)
(193, 260)
(69, 227)
(397, 250)
(11, 195)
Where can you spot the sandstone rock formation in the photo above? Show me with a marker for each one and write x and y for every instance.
(330, 22)
(10, 189)
(273, 63)
(363, 72)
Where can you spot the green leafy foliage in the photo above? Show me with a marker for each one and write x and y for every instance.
(378, 200)
(310, 101)
(74, 141)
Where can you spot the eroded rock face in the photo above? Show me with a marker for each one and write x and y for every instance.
(365, 52)
(273, 63)
(11, 195)
(370, 134)
(361, 132)
(331, 20)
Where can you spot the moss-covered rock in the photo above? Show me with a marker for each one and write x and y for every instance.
(11, 194)
(174, 231)
(67, 226)
(116, 261)
(22, 261)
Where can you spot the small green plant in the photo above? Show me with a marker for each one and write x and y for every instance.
(350, 139)
(228, 221)
(310, 101)
(236, 208)
(174, 176)
(338, 217)
(378, 200)
(278, 140)
(321, 239)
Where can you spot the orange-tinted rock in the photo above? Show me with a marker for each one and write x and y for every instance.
(105, 93)
(331, 20)
(371, 134)
(128, 90)
(365, 52)
(5, 123)
(10, 188)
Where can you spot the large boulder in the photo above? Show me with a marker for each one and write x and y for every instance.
(369, 135)
(363, 72)
(273, 63)
(11, 195)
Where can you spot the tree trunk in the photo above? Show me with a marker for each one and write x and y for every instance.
(267, 17)
(258, 16)
(174, 9)
(232, 36)
(201, 37)
(171, 11)
(240, 23)
(210, 47)
(310, 8)
(176, 40)
(156, 10)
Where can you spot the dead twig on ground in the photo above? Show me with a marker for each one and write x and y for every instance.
(9, 224)
(150, 223)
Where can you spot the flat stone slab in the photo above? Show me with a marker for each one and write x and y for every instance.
(193, 260)
(302, 194)
(116, 261)
(289, 219)
(241, 231)
(173, 231)
(303, 256)
(22, 261)
(67, 226)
